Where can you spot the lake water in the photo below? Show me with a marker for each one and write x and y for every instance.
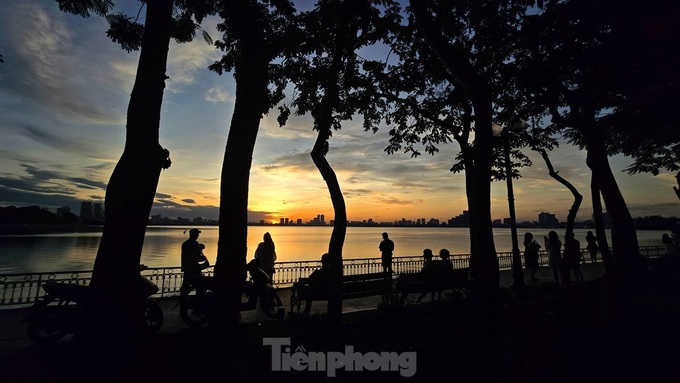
(76, 251)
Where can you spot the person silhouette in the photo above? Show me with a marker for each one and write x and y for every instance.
(193, 261)
(554, 247)
(266, 253)
(671, 248)
(531, 248)
(445, 256)
(386, 250)
(591, 245)
(319, 280)
(572, 256)
(426, 270)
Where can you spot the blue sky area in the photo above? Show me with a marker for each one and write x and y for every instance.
(64, 89)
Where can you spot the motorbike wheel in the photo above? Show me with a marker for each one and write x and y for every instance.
(153, 315)
(193, 312)
(271, 303)
(47, 327)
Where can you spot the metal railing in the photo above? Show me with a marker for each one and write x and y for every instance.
(26, 288)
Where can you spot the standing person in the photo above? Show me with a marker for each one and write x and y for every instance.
(554, 247)
(668, 242)
(531, 248)
(193, 261)
(386, 249)
(592, 246)
(266, 253)
(572, 256)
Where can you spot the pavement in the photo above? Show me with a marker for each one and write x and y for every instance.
(13, 330)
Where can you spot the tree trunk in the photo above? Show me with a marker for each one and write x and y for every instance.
(339, 226)
(132, 187)
(487, 283)
(611, 271)
(624, 237)
(323, 123)
(600, 232)
(251, 103)
(571, 217)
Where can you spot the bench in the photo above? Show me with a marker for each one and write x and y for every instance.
(420, 283)
(353, 286)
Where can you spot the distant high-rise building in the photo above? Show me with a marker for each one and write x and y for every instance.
(461, 220)
(63, 211)
(548, 220)
(97, 211)
(86, 210)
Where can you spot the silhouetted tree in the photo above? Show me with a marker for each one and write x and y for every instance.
(573, 210)
(585, 62)
(432, 23)
(254, 35)
(132, 186)
(325, 70)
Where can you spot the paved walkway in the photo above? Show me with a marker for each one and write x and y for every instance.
(13, 329)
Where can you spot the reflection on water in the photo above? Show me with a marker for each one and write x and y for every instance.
(77, 251)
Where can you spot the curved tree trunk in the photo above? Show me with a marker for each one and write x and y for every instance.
(251, 103)
(132, 187)
(571, 217)
(339, 226)
(323, 124)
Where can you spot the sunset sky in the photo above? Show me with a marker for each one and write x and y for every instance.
(64, 90)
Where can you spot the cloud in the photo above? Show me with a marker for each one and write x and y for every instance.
(186, 61)
(188, 200)
(46, 68)
(219, 95)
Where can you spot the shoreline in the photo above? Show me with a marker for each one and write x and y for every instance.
(30, 229)
(35, 229)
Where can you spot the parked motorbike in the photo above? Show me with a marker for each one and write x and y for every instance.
(195, 307)
(60, 313)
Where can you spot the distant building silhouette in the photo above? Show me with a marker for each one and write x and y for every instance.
(548, 220)
(461, 220)
(92, 212)
(63, 211)
(86, 211)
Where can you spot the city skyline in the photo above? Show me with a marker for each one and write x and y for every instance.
(64, 89)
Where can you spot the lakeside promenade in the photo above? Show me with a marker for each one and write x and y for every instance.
(548, 336)
(13, 330)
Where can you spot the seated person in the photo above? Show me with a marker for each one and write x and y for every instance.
(438, 272)
(445, 255)
(426, 270)
(318, 280)
(260, 277)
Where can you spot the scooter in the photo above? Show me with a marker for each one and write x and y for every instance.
(196, 305)
(60, 313)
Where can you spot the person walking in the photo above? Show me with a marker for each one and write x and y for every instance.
(591, 245)
(531, 248)
(386, 250)
(554, 247)
(266, 254)
(572, 256)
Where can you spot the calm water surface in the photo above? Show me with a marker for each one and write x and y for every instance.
(76, 251)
